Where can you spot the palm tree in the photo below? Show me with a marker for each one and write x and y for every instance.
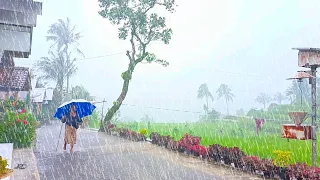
(54, 68)
(299, 91)
(203, 92)
(279, 97)
(64, 36)
(79, 92)
(263, 99)
(225, 91)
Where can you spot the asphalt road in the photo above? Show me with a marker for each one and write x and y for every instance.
(102, 157)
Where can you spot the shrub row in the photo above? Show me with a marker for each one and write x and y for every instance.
(126, 133)
(235, 157)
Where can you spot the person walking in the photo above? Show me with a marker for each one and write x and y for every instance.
(72, 122)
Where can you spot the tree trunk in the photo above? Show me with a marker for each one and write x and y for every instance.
(207, 105)
(116, 105)
(68, 64)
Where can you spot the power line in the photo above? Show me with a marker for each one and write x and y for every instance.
(157, 108)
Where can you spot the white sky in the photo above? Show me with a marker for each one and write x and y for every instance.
(245, 44)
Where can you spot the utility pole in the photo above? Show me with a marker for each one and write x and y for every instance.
(102, 115)
(314, 114)
(310, 58)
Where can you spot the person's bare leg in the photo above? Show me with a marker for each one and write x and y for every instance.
(71, 150)
(65, 145)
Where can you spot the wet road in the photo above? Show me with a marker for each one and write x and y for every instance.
(102, 157)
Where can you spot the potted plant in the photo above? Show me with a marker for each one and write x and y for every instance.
(4, 171)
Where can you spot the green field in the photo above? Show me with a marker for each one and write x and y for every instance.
(240, 133)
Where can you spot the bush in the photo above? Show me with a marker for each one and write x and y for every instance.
(143, 131)
(303, 171)
(199, 150)
(131, 135)
(18, 128)
(282, 158)
(187, 141)
(12, 105)
(3, 165)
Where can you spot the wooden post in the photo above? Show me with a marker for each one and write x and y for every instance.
(314, 115)
(102, 116)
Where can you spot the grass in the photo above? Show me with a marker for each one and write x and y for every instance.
(239, 133)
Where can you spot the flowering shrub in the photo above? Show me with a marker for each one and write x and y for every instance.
(214, 152)
(12, 105)
(282, 158)
(173, 145)
(18, 128)
(3, 165)
(270, 168)
(131, 135)
(198, 150)
(251, 163)
(111, 126)
(233, 155)
(164, 140)
(143, 131)
(303, 171)
(187, 141)
(155, 138)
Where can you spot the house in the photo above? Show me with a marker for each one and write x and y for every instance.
(40, 97)
(17, 20)
(15, 82)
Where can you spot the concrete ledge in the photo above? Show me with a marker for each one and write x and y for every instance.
(25, 156)
(6, 152)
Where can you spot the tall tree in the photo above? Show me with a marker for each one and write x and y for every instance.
(140, 26)
(80, 92)
(203, 92)
(225, 91)
(263, 99)
(66, 39)
(279, 97)
(54, 68)
(299, 91)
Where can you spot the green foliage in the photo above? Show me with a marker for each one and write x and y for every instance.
(80, 92)
(12, 105)
(136, 22)
(63, 35)
(211, 116)
(3, 165)
(298, 90)
(278, 112)
(225, 91)
(240, 112)
(143, 131)
(175, 131)
(240, 133)
(203, 92)
(93, 121)
(18, 128)
(126, 75)
(263, 99)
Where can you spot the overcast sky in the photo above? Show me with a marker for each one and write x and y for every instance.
(245, 44)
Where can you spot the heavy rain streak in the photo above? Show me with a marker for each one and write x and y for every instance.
(159, 89)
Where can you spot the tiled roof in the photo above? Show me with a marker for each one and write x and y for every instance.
(14, 78)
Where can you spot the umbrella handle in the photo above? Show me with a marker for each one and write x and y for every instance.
(59, 136)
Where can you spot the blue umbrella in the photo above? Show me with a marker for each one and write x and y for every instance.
(84, 108)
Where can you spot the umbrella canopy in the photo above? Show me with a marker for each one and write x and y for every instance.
(84, 108)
